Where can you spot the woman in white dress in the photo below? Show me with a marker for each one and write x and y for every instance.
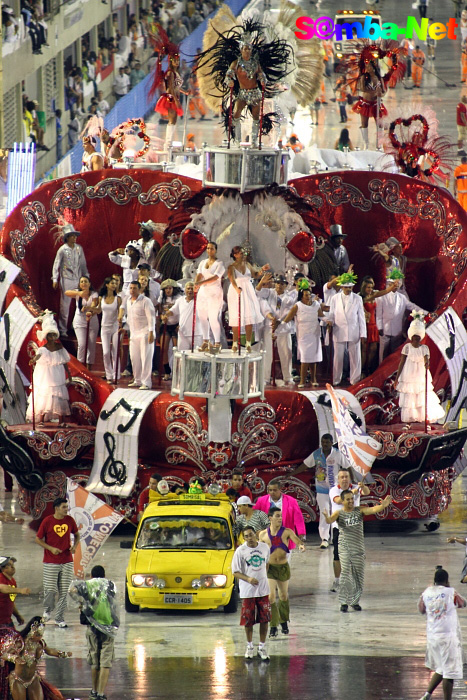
(84, 318)
(307, 312)
(240, 274)
(49, 378)
(110, 305)
(414, 382)
(210, 299)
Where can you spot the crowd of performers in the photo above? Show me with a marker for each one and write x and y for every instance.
(270, 530)
(291, 321)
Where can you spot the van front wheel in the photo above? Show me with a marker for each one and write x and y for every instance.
(129, 607)
(232, 605)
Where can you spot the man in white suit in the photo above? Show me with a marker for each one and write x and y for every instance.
(346, 317)
(390, 315)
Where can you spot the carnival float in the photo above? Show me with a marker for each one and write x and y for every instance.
(218, 414)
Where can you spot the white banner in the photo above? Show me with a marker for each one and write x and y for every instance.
(16, 323)
(355, 444)
(116, 446)
(450, 337)
(8, 273)
(95, 520)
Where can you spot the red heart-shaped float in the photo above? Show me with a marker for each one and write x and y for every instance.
(302, 246)
(194, 243)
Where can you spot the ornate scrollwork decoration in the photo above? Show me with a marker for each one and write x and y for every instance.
(190, 433)
(252, 439)
(83, 413)
(69, 196)
(429, 495)
(54, 487)
(172, 194)
(83, 387)
(120, 190)
(65, 444)
(338, 192)
(34, 216)
(387, 193)
(219, 454)
(363, 394)
(395, 448)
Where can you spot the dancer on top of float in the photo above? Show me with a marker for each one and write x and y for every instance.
(248, 72)
(168, 105)
(241, 68)
(371, 85)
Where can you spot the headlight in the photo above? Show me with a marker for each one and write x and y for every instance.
(216, 581)
(220, 580)
(160, 583)
(146, 581)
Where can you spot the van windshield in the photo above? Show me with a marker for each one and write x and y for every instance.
(173, 532)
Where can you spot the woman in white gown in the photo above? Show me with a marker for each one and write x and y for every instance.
(49, 377)
(307, 312)
(414, 382)
(210, 299)
(240, 274)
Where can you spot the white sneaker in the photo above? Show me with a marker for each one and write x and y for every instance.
(335, 586)
(45, 616)
(263, 654)
(427, 696)
(324, 544)
(135, 384)
(126, 373)
(250, 651)
(62, 624)
(143, 387)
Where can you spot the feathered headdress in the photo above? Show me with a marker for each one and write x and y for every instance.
(303, 284)
(347, 279)
(365, 51)
(164, 47)
(62, 230)
(221, 47)
(416, 147)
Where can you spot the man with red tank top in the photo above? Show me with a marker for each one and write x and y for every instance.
(279, 538)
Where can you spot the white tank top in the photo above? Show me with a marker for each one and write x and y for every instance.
(109, 313)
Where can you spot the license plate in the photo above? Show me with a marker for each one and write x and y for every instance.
(178, 599)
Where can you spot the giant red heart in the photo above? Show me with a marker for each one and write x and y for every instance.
(194, 243)
(302, 246)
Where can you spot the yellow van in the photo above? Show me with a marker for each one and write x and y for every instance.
(182, 554)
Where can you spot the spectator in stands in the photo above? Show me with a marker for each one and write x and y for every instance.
(102, 105)
(36, 132)
(73, 129)
(74, 90)
(37, 34)
(121, 83)
(179, 32)
(136, 74)
(10, 24)
(58, 132)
